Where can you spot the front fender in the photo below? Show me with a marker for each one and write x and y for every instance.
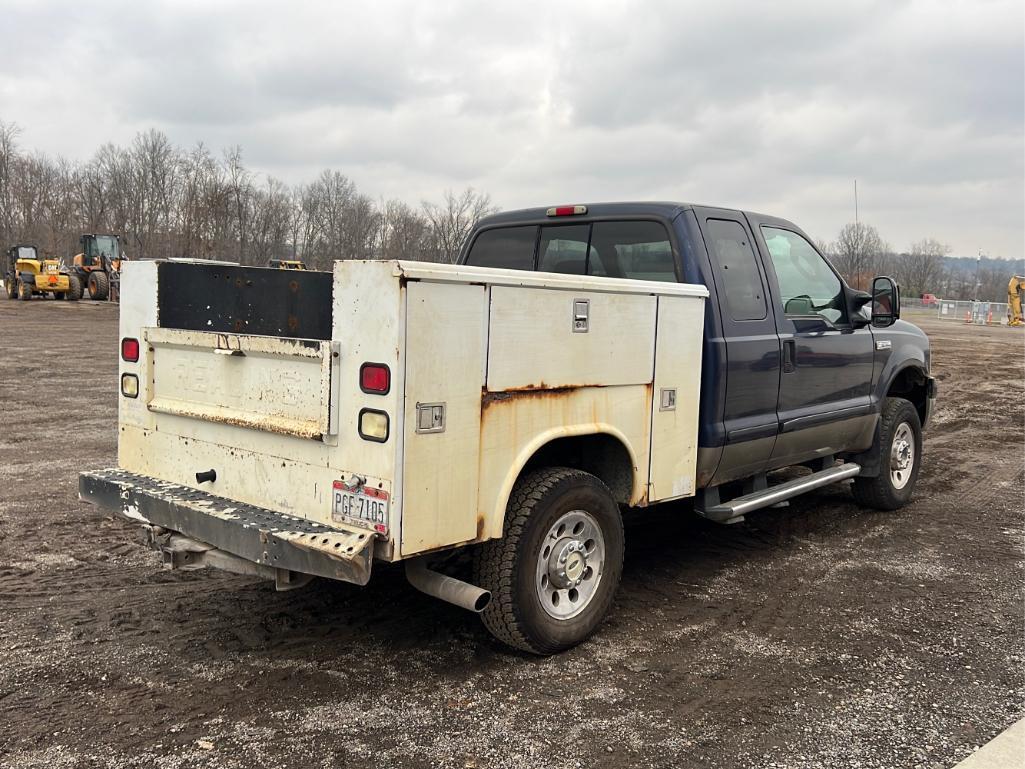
(908, 348)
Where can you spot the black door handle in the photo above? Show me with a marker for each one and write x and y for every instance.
(789, 356)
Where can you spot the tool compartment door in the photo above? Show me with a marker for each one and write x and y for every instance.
(674, 410)
(445, 326)
(547, 338)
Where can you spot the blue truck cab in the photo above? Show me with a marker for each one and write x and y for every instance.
(798, 367)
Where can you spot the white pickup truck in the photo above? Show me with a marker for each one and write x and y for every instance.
(291, 424)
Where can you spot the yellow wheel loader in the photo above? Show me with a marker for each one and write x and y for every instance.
(98, 266)
(26, 275)
(1015, 289)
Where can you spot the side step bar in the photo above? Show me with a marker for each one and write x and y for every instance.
(733, 511)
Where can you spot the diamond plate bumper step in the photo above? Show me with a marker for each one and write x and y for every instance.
(265, 537)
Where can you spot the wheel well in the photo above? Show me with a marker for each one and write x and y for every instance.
(910, 384)
(602, 455)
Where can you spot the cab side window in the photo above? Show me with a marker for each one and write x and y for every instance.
(807, 284)
(745, 295)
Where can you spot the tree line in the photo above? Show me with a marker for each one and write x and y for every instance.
(926, 267)
(166, 201)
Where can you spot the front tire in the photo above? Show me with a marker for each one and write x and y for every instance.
(900, 458)
(99, 285)
(554, 573)
(74, 288)
(11, 286)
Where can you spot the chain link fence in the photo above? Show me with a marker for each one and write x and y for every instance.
(979, 313)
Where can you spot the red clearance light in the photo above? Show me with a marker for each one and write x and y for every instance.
(374, 378)
(567, 210)
(130, 350)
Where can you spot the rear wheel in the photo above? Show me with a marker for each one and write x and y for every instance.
(58, 294)
(555, 571)
(900, 458)
(24, 292)
(99, 285)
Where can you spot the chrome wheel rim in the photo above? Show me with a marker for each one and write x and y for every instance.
(570, 564)
(902, 455)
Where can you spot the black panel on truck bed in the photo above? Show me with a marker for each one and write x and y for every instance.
(244, 300)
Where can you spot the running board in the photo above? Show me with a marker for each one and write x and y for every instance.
(734, 510)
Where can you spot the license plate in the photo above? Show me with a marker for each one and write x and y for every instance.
(362, 506)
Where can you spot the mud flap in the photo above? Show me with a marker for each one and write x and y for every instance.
(265, 537)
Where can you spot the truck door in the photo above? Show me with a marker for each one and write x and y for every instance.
(824, 392)
(752, 345)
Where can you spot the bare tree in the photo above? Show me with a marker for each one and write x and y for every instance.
(452, 222)
(8, 158)
(240, 183)
(856, 252)
(404, 233)
(920, 270)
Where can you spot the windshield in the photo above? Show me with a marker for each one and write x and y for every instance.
(105, 245)
(27, 252)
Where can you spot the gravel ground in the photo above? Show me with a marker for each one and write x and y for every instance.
(820, 635)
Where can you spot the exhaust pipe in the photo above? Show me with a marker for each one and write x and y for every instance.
(449, 589)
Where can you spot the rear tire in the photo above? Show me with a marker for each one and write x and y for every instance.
(554, 573)
(900, 458)
(74, 288)
(24, 292)
(99, 285)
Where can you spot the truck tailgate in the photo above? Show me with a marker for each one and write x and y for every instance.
(259, 382)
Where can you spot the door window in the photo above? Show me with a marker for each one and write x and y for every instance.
(745, 294)
(509, 247)
(564, 249)
(807, 284)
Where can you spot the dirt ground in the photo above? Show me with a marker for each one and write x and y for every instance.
(821, 635)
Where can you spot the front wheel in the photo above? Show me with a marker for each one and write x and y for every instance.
(98, 285)
(900, 458)
(555, 571)
(11, 286)
(74, 288)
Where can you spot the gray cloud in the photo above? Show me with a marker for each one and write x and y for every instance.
(776, 108)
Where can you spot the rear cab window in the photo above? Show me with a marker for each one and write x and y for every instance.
(511, 248)
(635, 249)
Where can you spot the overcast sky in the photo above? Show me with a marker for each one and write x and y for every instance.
(776, 107)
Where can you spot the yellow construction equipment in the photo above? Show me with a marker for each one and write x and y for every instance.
(98, 266)
(26, 274)
(287, 264)
(1015, 289)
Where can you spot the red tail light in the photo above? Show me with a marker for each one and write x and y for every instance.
(374, 378)
(130, 350)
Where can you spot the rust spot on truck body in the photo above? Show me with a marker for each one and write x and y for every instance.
(540, 390)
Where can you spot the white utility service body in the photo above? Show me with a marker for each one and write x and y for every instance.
(254, 448)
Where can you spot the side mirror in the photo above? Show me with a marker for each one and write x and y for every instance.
(885, 301)
(857, 307)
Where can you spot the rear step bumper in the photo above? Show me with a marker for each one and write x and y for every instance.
(733, 510)
(264, 537)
